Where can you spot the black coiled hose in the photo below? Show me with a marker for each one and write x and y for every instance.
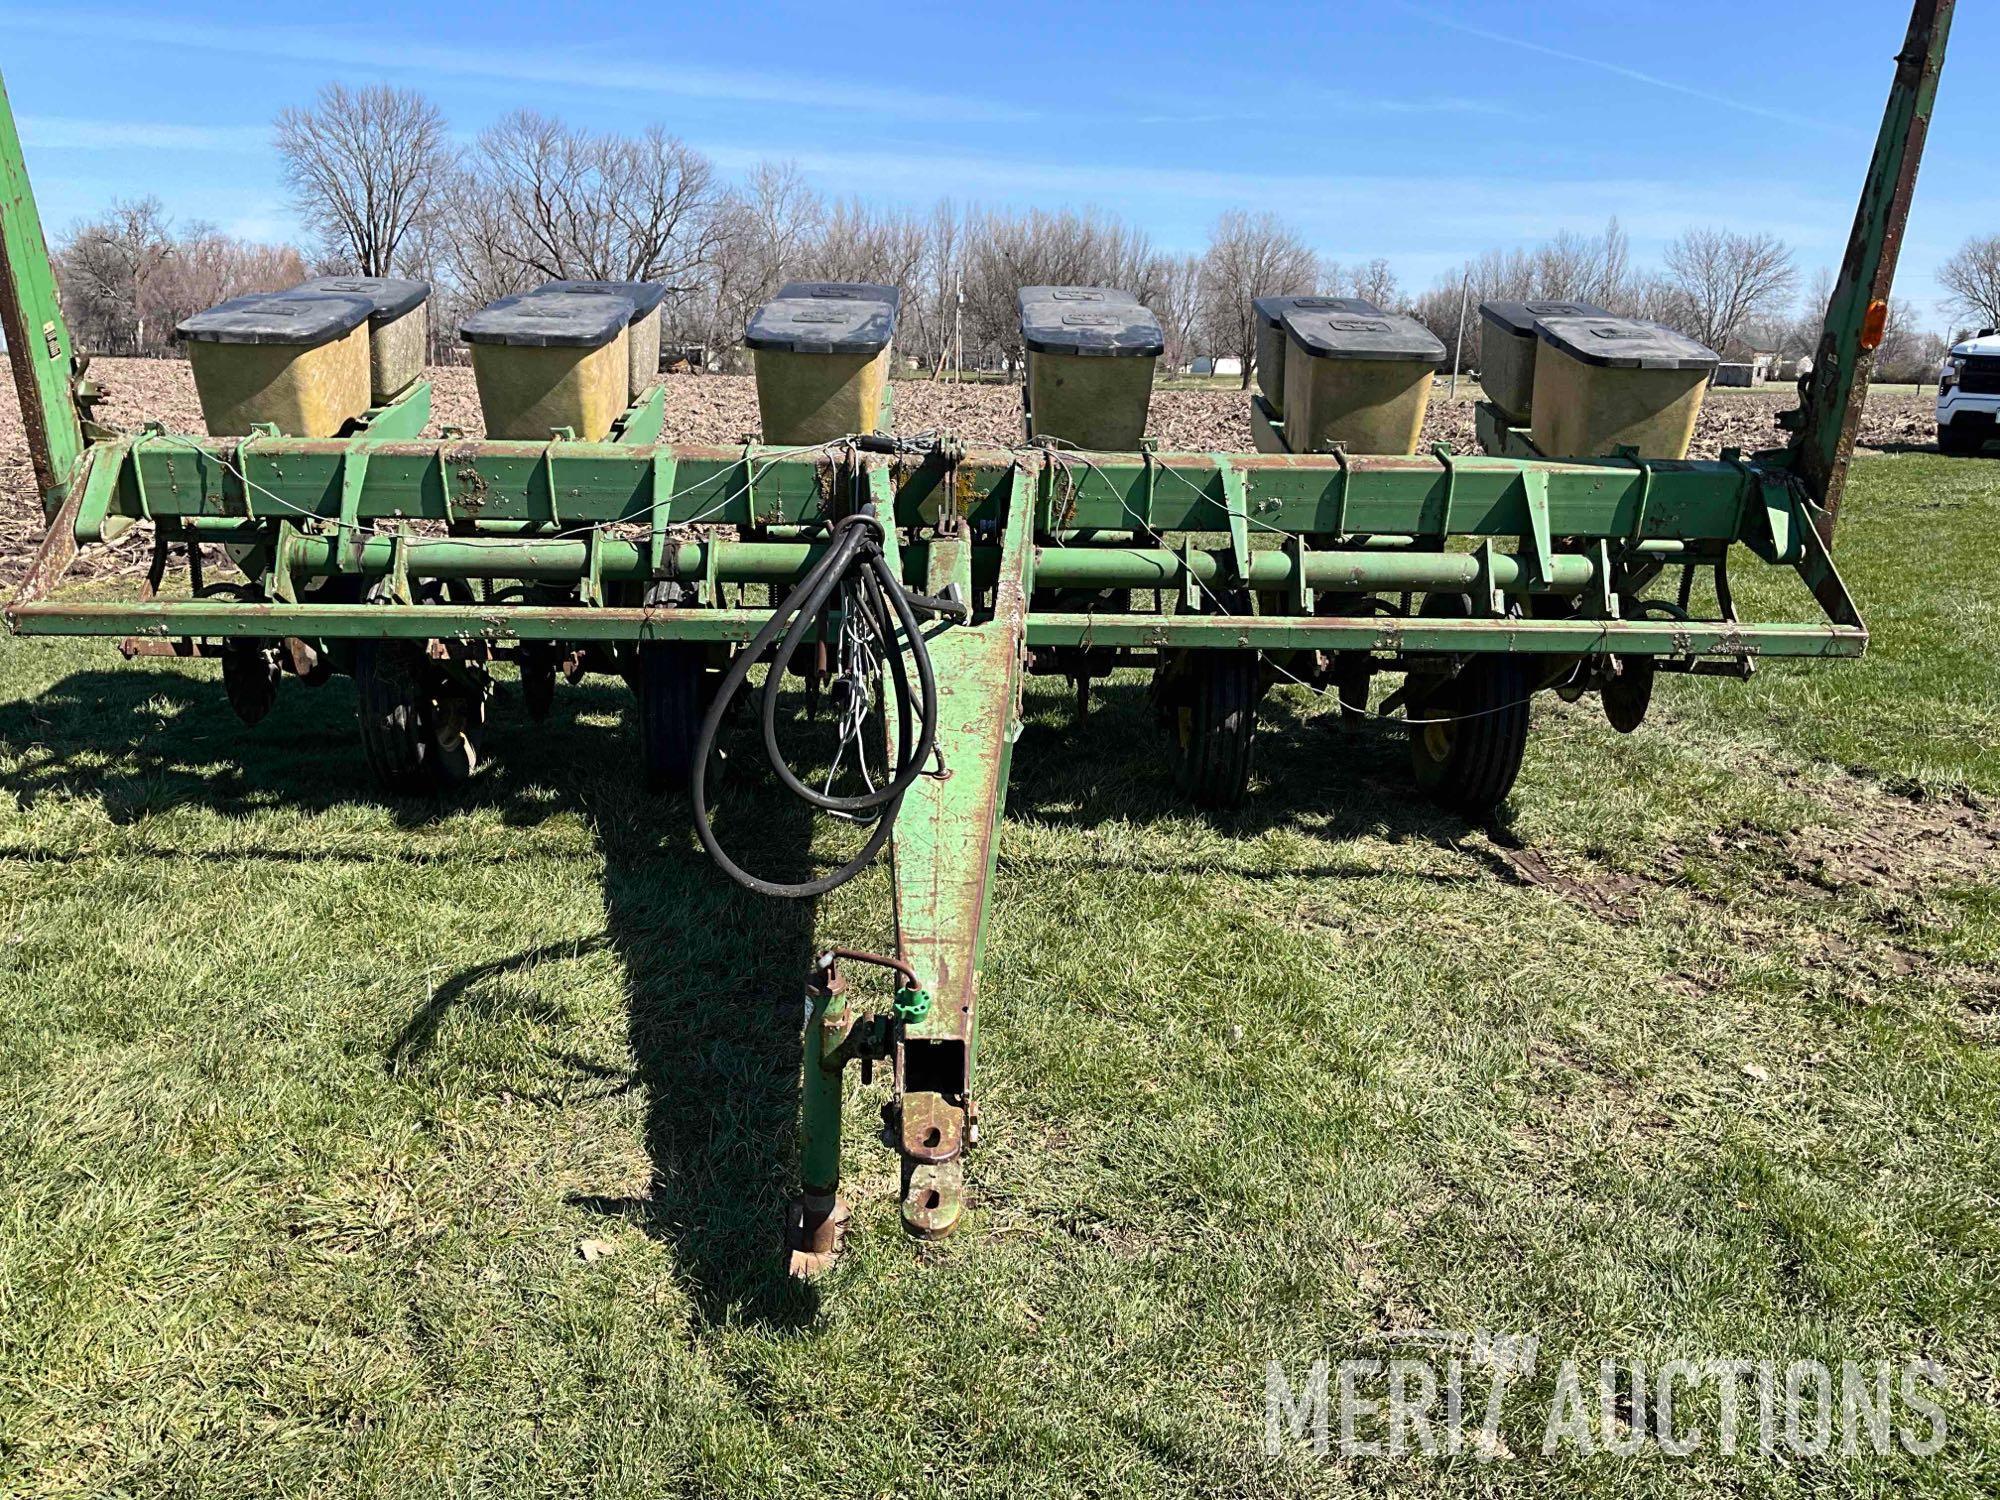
(854, 562)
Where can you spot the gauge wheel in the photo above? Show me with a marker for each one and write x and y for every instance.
(1214, 725)
(668, 677)
(538, 662)
(420, 729)
(1468, 734)
(250, 674)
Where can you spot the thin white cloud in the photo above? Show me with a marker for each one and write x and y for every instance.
(570, 71)
(70, 133)
(1620, 70)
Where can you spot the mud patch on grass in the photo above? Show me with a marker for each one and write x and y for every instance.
(1610, 895)
(1891, 842)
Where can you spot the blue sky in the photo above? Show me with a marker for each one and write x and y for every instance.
(1421, 131)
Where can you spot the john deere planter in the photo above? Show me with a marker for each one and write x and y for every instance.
(903, 585)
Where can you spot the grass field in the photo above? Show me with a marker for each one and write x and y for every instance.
(355, 1147)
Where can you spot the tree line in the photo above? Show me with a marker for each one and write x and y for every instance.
(383, 187)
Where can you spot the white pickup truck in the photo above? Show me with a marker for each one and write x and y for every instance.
(1968, 402)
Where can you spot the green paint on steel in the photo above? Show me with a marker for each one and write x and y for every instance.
(640, 427)
(38, 340)
(603, 483)
(947, 832)
(1524, 637)
(820, 1091)
(309, 557)
(1842, 367)
(401, 420)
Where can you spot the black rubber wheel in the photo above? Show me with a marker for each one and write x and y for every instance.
(538, 679)
(1965, 439)
(388, 681)
(1213, 720)
(670, 710)
(250, 675)
(668, 678)
(456, 721)
(420, 733)
(1471, 731)
(1353, 673)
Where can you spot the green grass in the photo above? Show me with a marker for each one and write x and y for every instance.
(311, 1098)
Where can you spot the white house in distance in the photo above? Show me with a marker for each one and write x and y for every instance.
(1217, 364)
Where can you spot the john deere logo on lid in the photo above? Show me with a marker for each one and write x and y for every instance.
(1079, 296)
(1357, 325)
(818, 317)
(1618, 333)
(1090, 320)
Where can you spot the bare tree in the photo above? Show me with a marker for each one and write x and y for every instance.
(130, 276)
(591, 207)
(1972, 276)
(760, 237)
(368, 168)
(936, 311)
(1180, 310)
(109, 268)
(1586, 268)
(1722, 280)
(884, 247)
(1569, 267)
(1376, 283)
(1372, 281)
(208, 267)
(1249, 256)
(1006, 252)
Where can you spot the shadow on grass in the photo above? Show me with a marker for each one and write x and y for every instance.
(711, 973)
(1313, 774)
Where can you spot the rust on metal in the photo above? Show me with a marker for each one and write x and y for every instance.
(933, 1199)
(813, 1233)
(53, 558)
(930, 1128)
(1831, 420)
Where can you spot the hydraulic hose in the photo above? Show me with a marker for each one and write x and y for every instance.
(877, 601)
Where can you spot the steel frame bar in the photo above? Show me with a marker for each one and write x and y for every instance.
(38, 341)
(1837, 390)
(946, 850)
(222, 619)
(565, 485)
